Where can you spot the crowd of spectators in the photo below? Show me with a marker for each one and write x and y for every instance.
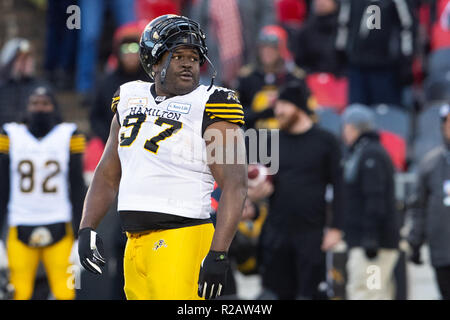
(380, 70)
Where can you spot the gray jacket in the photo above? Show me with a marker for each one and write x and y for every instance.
(430, 208)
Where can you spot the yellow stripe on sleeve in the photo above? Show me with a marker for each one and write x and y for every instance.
(114, 103)
(4, 143)
(4, 148)
(233, 119)
(227, 116)
(77, 143)
(223, 105)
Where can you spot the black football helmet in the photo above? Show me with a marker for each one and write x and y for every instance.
(166, 32)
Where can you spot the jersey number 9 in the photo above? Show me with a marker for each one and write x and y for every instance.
(152, 143)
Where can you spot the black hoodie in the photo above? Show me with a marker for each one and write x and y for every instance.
(365, 44)
(314, 48)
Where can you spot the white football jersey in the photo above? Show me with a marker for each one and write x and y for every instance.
(162, 151)
(39, 175)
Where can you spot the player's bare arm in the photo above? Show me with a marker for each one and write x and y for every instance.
(232, 179)
(100, 195)
(105, 183)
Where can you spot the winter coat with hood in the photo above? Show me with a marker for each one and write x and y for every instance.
(430, 206)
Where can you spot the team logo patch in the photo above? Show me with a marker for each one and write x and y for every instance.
(179, 107)
(137, 102)
(40, 237)
(159, 244)
(232, 96)
(160, 98)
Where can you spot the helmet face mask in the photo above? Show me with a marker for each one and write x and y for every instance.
(166, 33)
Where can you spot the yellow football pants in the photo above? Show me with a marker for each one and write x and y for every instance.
(24, 261)
(165, 264)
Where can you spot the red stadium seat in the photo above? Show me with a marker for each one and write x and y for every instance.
(440, 31)
(396, 148)
(150, 9)
(329, 91)
(93, 153)
(291, 12)
(215, 197)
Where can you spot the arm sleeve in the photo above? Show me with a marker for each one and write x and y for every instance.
(5, 177)
(335, 179)
(408, 24)
(417, 210)
(373, 182)
(344, 16)
(114, 103)
(76, 180)
(223, 105)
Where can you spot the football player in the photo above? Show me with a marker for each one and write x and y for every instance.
(158, 162)
(42, 190)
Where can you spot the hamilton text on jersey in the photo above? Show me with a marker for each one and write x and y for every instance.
(155, 113)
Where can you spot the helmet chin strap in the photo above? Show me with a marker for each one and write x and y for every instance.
(166, 66)
(214, 72)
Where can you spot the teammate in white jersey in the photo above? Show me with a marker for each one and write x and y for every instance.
(158, 162)
(42, 190)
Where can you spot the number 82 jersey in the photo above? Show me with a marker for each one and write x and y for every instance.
(39, 183)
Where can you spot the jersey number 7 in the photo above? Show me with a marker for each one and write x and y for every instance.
(135, 121)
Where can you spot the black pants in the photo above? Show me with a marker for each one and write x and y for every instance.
(292, 265)
(443, 279)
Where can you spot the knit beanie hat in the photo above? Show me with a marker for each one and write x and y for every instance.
(360, 116)
(297, 93)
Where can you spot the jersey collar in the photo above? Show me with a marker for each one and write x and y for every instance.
(158, 99)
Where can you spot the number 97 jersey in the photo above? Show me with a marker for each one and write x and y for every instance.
(39, 190)
(162, 150)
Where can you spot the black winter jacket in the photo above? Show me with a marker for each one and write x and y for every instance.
(369, 196)
(372, 37)
(430, 208)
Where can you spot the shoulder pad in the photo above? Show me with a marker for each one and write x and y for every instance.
(224, 104)
(115, 101)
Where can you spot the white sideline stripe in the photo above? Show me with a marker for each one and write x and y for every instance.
(93, 236)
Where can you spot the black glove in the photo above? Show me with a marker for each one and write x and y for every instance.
(90, 249)
(213, 275)
(416, 256)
